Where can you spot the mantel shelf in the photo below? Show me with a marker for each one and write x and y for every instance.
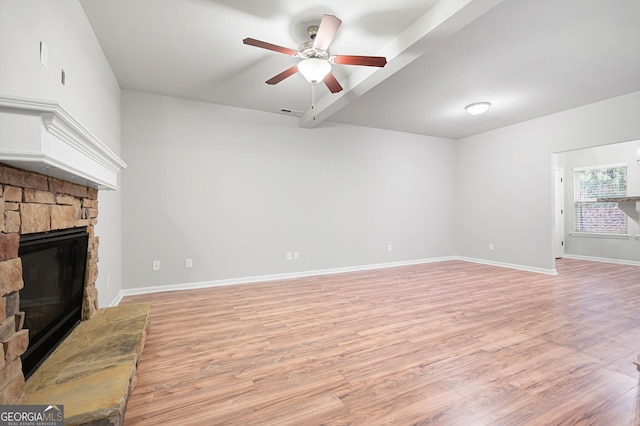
(41, 136)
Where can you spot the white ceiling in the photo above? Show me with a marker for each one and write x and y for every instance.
(529, 58)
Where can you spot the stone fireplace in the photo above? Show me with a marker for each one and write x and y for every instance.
(51, 168)
(33, 203)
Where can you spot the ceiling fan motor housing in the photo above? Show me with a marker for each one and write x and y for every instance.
(312, 31)
(307, 50)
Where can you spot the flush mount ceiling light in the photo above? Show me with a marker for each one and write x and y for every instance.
(477, 108)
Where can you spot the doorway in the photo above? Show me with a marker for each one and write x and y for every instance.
(558, 215)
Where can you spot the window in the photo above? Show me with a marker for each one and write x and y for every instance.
(591, 183)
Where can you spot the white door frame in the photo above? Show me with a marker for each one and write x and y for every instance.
(558, 213)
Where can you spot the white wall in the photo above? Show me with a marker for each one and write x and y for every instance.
(91, 94)
(505, 179)
(598, 247)
(235, 190)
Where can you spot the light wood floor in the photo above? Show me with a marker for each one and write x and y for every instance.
(449, 343)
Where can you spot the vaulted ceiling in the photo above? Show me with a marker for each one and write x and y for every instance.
(529, 58)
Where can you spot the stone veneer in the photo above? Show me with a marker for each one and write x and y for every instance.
(29, 203)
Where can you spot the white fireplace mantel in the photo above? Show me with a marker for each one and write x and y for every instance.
(42, 137)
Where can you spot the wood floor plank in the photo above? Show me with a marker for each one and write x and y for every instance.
(448, 343)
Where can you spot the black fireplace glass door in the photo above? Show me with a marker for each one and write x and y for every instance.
(53, 271)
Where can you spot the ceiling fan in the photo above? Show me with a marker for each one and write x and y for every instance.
(316, 60)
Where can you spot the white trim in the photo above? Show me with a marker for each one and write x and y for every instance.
(47, 162)
(294, 275)
(558, 212)
(117, 300)
(511, 266)
(101, 162)
(277, 277)
(603, 259)
(599, 166)
(599, 235)
(60, 123)
(66, 128)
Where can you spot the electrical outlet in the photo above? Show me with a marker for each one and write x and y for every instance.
(289, 255)
(155, 265)
(389, 247)
(490, 246)
(188, 263)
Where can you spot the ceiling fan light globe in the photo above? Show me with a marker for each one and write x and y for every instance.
(314, 69)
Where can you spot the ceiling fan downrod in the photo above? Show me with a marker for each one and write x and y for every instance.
(313, 100)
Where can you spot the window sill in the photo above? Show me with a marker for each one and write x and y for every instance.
(598, 235)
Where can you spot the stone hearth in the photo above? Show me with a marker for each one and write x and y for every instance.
(30, 203)
(93, 372)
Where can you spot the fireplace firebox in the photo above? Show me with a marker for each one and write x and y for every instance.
(53, 271)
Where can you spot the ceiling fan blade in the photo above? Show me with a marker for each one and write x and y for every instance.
(369, 61)
(269, 46)
(284, 74)
(326, 32)
(332, 83)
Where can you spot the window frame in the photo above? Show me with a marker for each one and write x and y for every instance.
(579, 203)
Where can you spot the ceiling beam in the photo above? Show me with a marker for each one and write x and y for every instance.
(440, 22)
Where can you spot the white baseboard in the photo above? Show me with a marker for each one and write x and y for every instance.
(118, 299)
(275, 277)
(303, 274)
(510, 266)
(602, 259)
